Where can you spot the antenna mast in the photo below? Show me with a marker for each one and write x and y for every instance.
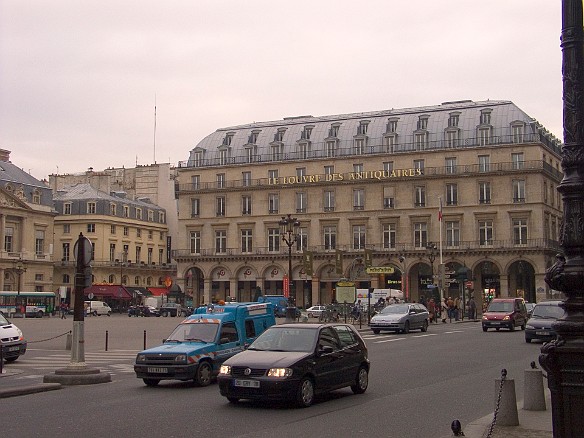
(154, 128)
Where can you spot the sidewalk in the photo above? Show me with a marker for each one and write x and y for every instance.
(532, 424)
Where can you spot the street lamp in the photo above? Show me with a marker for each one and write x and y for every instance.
(19, 269)
(431, 247)
(289, 227)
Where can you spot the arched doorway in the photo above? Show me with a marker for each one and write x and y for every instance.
(194, 286)
(488, 282)
(246, 284)
(220, 284)
(328, 279)
(522, 280)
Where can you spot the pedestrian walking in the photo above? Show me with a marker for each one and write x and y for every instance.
(472, 308)
(432, 310)
(444, 310)
(63, 309)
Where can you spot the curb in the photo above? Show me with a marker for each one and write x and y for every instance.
(31, 389)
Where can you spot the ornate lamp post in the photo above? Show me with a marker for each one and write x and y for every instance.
(432, 248)
(19, 269)
(563, 358)
(289, 227)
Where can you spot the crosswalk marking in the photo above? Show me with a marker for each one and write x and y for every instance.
(119, 362)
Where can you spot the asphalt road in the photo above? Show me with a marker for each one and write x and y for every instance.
(419, 383)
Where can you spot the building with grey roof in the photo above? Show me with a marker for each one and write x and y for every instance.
(422, 194)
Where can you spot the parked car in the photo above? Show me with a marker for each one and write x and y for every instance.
(401, 318)
(539, 326)
(12, 340)
(97, 308)
(315, 311)
(173, 309)
(143, 311)
(505, 313)
(295, 362)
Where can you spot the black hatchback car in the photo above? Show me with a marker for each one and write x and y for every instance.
(539, 326)
(296, 362)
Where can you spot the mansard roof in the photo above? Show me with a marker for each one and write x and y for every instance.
(503, 115)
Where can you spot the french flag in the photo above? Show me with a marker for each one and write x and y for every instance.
(440, 210)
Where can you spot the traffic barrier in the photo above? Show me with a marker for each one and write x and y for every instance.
(533, 393)
(68, 341)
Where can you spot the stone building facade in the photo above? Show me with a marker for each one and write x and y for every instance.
(460, 195)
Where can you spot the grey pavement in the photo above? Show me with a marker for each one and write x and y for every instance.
(532, 424)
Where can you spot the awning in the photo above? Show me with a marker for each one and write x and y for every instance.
(116, 292)
(139, 291)
(158, 291)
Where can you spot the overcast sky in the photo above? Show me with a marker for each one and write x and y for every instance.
(79, 79)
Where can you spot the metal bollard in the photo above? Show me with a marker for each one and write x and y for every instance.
(507, 415)
(1, 359)
(144, 339)
(533, 394)
(106, 339)
(68, 341)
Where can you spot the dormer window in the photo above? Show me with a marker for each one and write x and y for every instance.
(198, 159)
(362, 128)
(391, 126)
(334, 130)
(279, 135)
(422, 123)
(228, 138)
(517, 131)
(453, 120)
(486, 117)
(253, 137)
(223, 155)
(306, 133)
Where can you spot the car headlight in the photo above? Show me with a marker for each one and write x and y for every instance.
(141, 358)
(225, 369)
(181, 358)
(527, 326)
(507, 317)
(280, 372)
(485, 318)
(20, 335)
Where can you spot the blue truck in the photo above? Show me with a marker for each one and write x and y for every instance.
(199, 345)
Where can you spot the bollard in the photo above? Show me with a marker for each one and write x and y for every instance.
(533, 394)
(68, 341)
(507, 415)
(106, 339)
(144, 339)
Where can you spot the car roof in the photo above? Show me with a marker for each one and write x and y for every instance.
(309, 325)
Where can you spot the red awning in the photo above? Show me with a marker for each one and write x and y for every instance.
(158, 291)
(108, 291)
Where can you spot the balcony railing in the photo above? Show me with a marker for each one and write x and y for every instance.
(398, 249)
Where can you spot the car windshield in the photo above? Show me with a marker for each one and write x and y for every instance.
(395, 309)
(198, 332)
(3, 320)
(546, 311)
(500, 306)
(286, 339)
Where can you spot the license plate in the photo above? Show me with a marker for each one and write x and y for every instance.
(495, 323)
(13, 348)
(542, 333)
(247, 383)
(157, 370)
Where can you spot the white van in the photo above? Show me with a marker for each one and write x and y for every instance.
(97, 308)
(12, 340)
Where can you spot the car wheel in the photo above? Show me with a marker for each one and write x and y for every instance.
(361, 382)
(305, 394)
(233, 400)
(151, 382)
(512, 327)
(528, 340)
(165, 314)
(310, 315)
(109, 313)
(40, 314)
(497, 329)
(94, 313)
(406, 327)
(425, 325)
(523, 326)
(485, 329)
(204, 372)
(376, 331)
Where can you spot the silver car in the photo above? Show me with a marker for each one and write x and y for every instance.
(401, 318)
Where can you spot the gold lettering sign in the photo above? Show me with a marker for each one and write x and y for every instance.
(352, 176)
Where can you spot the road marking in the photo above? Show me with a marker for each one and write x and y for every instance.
(423, 336)
(454, 331)
(390, 340)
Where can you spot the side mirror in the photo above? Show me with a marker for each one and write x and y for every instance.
(163, 341)
(224, 340)
(325, 349)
